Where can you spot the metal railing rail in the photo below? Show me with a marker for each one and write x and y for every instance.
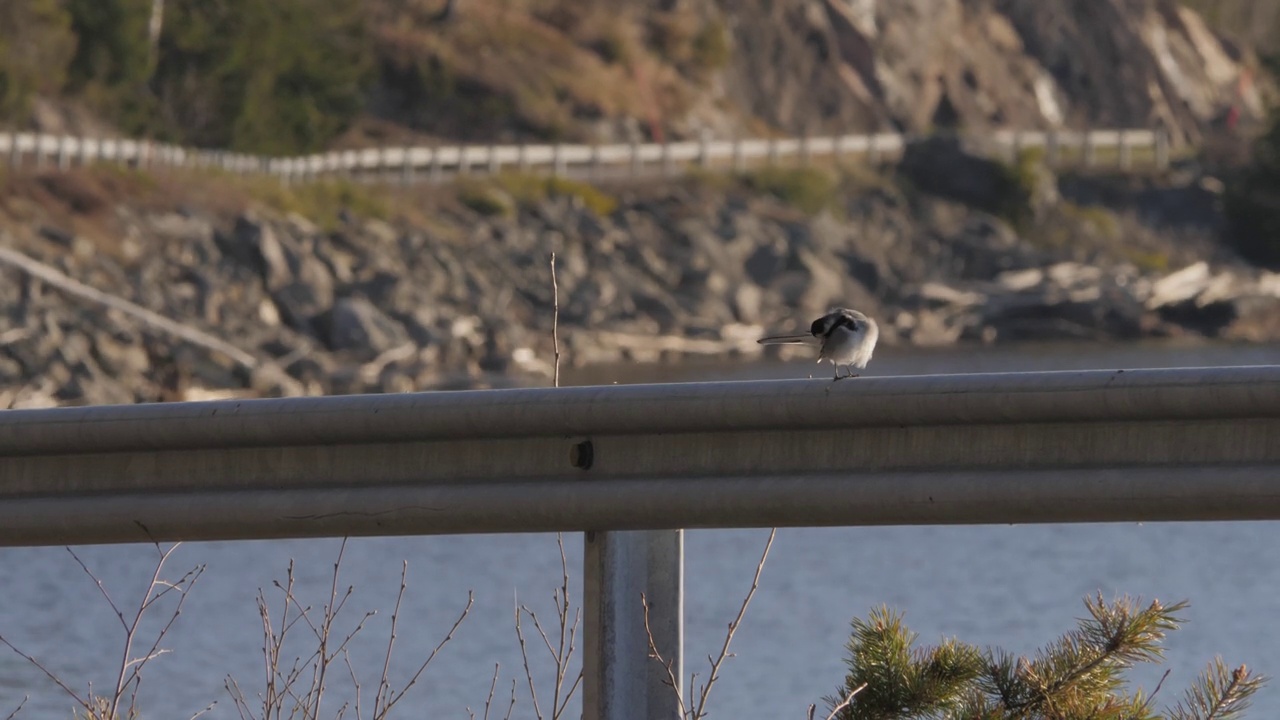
(1078, 446)
(955, 449)
(435, 163)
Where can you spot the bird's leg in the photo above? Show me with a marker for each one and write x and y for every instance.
(848, 373)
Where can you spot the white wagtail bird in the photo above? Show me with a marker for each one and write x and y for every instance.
(847, 338)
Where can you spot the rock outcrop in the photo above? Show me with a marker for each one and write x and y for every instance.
(925, 64)
(273, 304)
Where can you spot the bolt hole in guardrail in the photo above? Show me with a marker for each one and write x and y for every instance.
(582, 455)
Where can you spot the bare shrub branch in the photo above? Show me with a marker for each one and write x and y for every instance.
(696, 710)
(296, 688)
(848, 700)
(561, 651)
(18, 709)
(129, 671)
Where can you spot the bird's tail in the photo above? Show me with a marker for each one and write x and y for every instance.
(805, 339)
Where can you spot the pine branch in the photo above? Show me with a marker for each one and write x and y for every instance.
(1080, 676)
(902, 682)
(1088, 662)
(1218, 694)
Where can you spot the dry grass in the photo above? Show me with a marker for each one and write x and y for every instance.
(86, 201)
(555, 63)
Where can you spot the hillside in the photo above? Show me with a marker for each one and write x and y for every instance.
(281, 76)
(338, 287)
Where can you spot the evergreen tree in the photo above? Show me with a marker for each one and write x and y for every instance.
(35, 46)
(266, 76)
(1080, 676)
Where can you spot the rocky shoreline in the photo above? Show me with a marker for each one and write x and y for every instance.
(465, 300)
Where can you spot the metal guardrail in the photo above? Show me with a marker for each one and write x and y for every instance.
(931, 449)
(1079, 446)
(412, 164)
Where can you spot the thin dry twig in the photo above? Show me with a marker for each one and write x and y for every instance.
(698, 710)
(562, 651)
(298, 689)
(422, 668)
(1147, 703)
(666, 664)
(555, 318)
(512, 705)
(488, 701)
(384, 685)
(49, 674)
(282, 687)
(330, 612)
(733, 626)
(355, 683)
(129, 672)
(848, 700)
(18, 709)
(524, 656)
(208, 708)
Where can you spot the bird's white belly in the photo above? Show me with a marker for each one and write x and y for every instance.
(845, 347)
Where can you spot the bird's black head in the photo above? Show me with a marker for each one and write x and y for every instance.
(824, 325)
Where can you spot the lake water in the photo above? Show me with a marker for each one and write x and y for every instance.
(1014, 586)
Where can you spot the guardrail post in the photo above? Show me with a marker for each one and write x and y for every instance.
(64, 153)
(406, 169)
(667, 170)
(595, 169)
(1090, 149)
(82, 151)
(39, 152)
(558, 168)
(494, 165)
(773, 151)
(739, 159)
(1162, 148)
(704, 149)
(437, 172)
(620, 680)
(637, 162)
(804, 149)
(1052, 148)
(1124, 152)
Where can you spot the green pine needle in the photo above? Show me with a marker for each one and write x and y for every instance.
(1219, 693)
(1080, 676)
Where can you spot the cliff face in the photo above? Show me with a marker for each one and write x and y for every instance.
(654, 67)
(922, 64)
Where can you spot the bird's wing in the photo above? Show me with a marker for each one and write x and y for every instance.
(805, 339)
